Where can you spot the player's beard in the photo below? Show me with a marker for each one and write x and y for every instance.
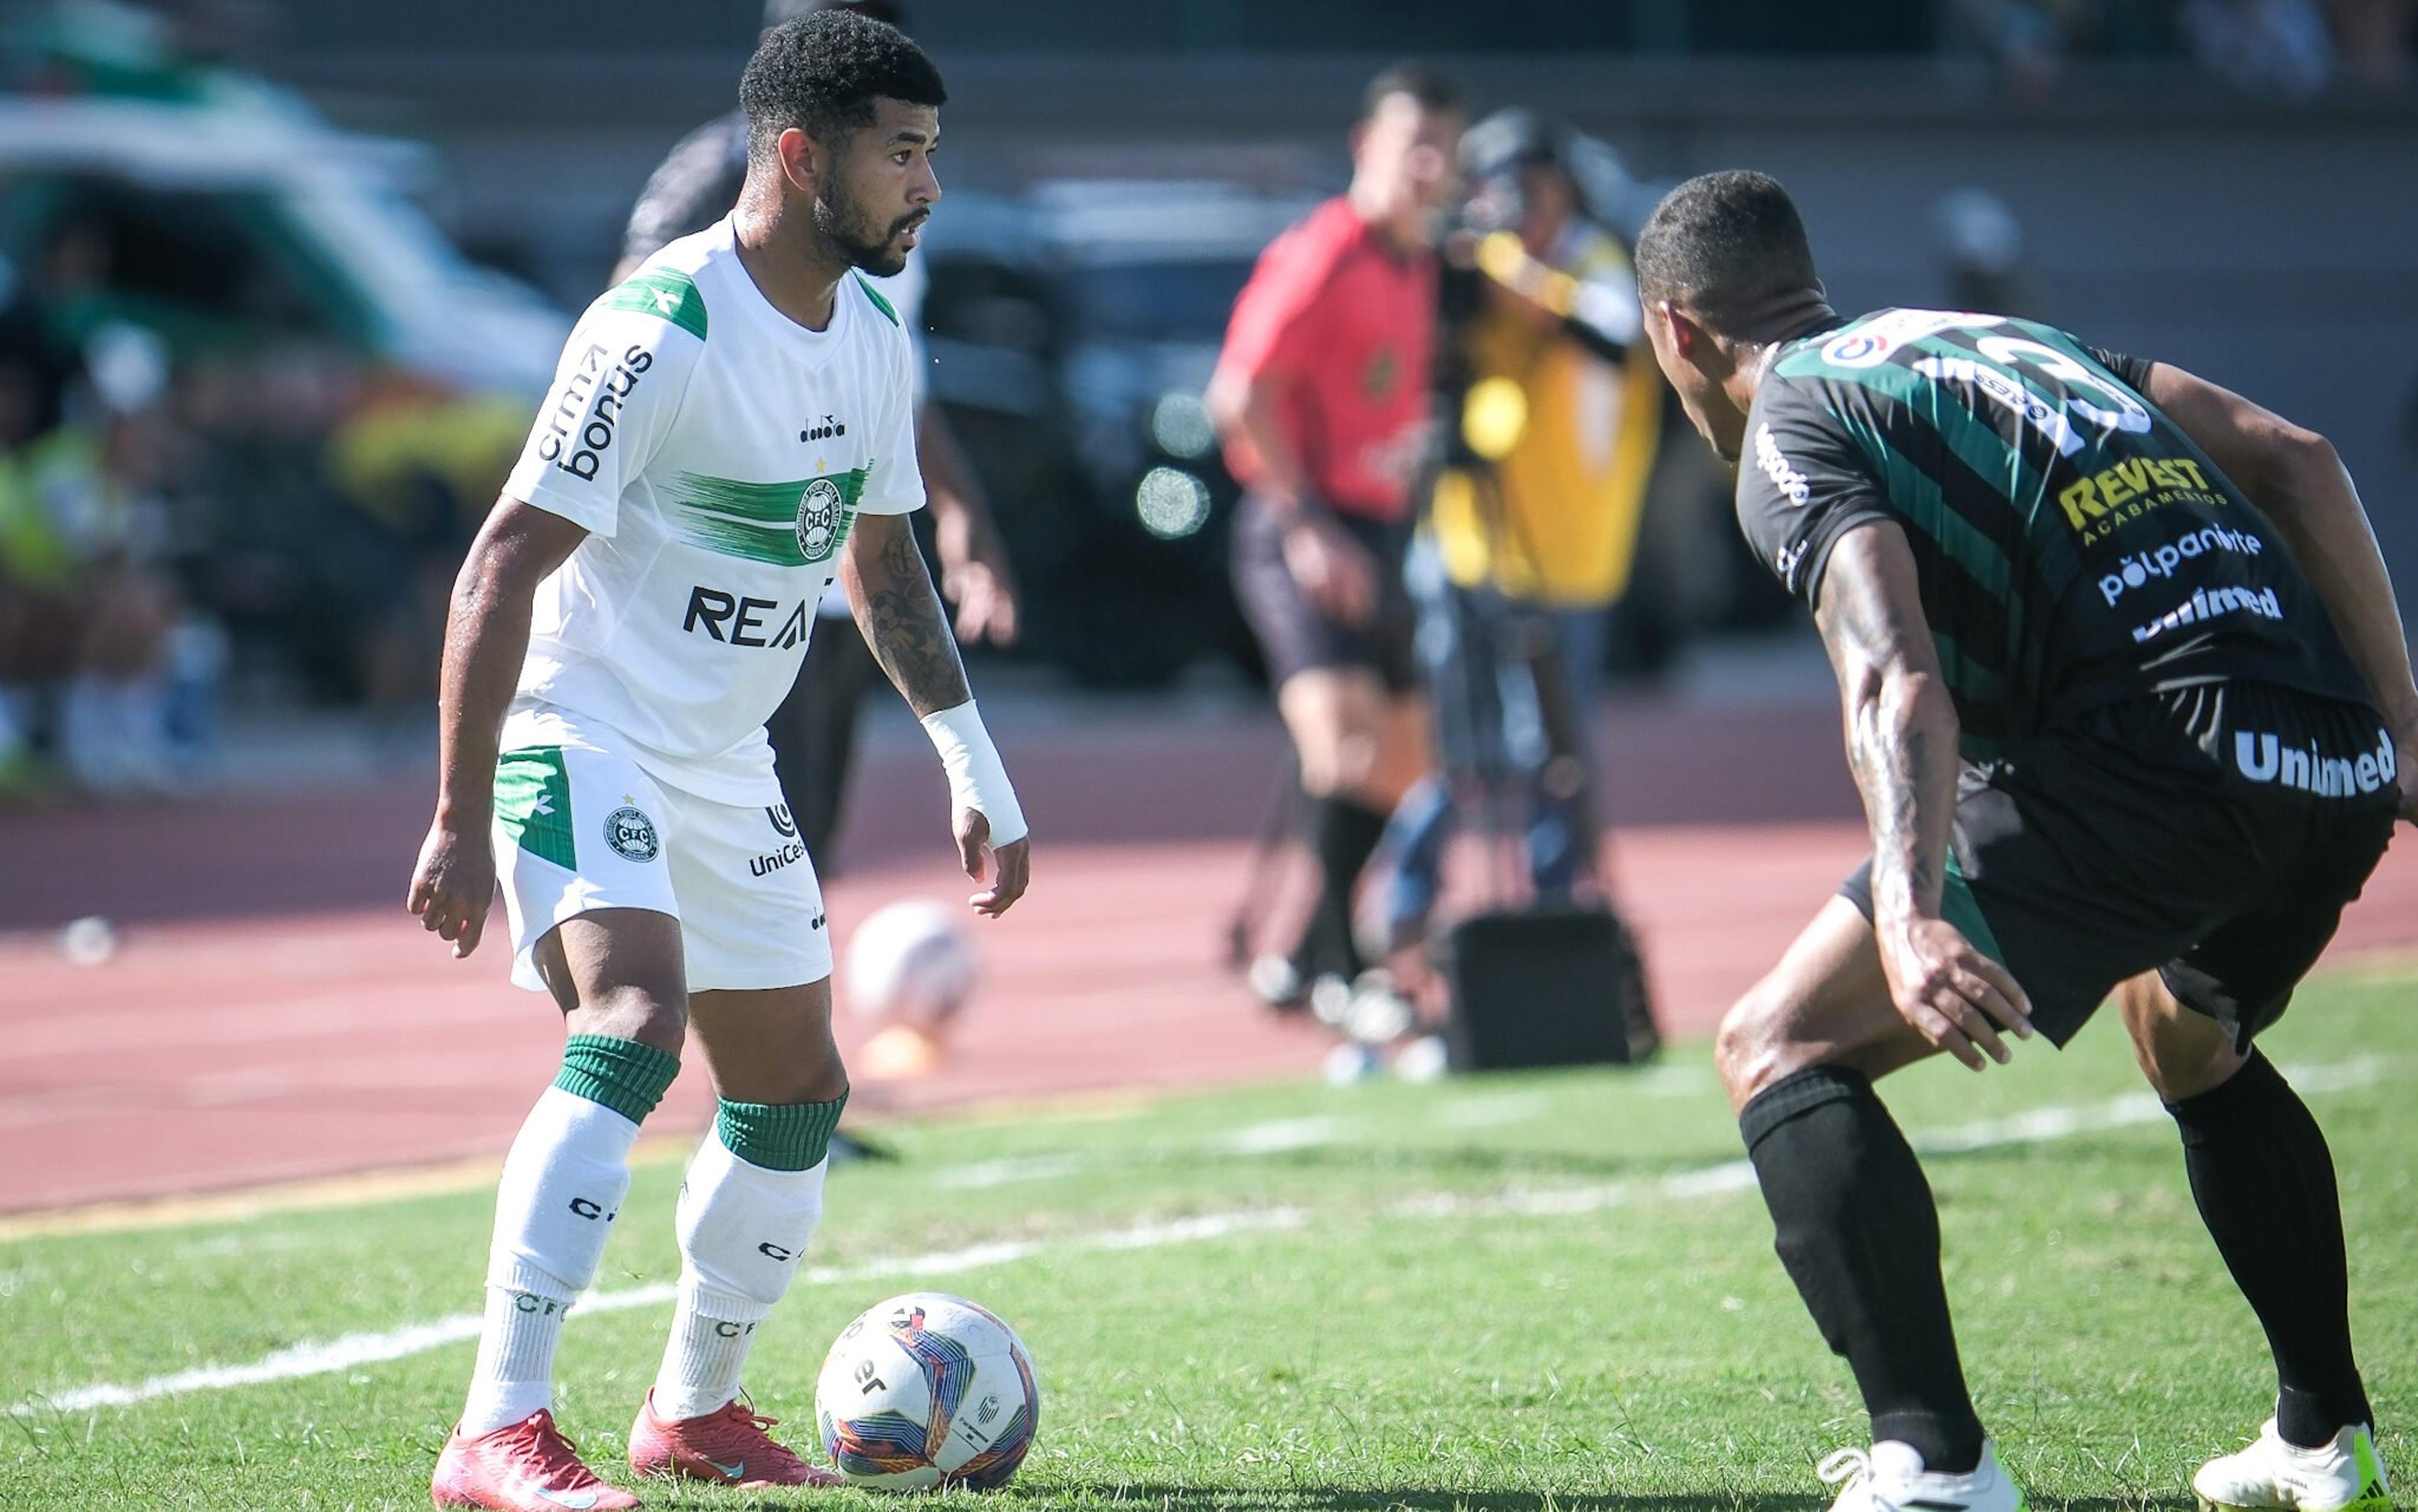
(866, 246)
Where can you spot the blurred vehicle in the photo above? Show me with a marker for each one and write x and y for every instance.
(239, 226)
(1074, 328)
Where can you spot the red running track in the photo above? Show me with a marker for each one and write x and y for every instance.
(245, 1037)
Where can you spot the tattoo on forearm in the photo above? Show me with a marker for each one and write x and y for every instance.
(1890, 748)
(909, 630)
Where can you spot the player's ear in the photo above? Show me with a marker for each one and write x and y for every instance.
(801, 159)
(1686, 338)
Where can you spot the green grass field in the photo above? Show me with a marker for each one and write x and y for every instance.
(1532, 1293)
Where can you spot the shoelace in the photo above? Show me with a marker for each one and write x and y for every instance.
(742, 1411)
(1847, 1469)
(537, 1435)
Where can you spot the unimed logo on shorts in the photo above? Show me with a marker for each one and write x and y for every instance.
(2261, 755)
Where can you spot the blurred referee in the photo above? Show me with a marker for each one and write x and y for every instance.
(1322, 398)
(814, 731)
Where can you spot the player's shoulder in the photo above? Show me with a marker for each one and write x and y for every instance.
(670, 287)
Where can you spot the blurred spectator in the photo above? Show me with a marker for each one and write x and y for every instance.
(2266, 46)
(1321, 397)
(1983, 245)
(2375, 38)
(86, 541)
(1533, 528)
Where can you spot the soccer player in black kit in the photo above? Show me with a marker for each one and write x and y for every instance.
(2129, 704)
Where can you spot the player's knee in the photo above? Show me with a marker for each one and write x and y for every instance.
(635, 1012)
(1752, 1049)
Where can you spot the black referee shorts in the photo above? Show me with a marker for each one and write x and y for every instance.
(1295, 634)
(2213, 834)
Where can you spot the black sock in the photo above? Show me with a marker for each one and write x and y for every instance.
(1855, 1228)
(2265, 1183)
(1342, 835)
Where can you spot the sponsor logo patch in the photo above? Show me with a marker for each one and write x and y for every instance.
(2263, 757)
(1794, 486)
(2211, 603)
(2163, 562)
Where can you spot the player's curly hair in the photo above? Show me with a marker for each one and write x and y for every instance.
(821, 72)
(1724, 244)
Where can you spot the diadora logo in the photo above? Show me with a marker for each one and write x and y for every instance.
(1793, 485)
(2262, 757)
(824, 430)
(2133, 572)
(591, 1210)
(772, 1251)
(580, 429)
(738, 621)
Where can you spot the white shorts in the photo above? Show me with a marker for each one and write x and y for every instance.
(578, 828)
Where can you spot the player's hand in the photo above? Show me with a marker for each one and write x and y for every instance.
(1955, 996)
(1333, 572)
(454, 885)
(984, 593)
(1007, 867)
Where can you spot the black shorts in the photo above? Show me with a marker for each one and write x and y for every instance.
(1294, 637)
(2213, 834)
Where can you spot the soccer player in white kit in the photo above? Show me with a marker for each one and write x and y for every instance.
(731, 430)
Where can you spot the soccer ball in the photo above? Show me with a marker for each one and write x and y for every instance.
(909, 962)
(928, 1390)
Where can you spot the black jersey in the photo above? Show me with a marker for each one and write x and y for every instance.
(2072, 545)
(695, 186)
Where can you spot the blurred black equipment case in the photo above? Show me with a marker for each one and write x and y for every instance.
(1544, 986)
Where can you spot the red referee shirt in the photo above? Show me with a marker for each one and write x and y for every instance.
(1344, 324)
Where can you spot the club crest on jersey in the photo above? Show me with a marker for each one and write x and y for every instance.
(632, 834)
(821, 511)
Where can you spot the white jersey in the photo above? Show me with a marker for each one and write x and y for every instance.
(718, 454)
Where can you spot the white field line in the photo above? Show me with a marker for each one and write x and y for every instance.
(351, 1349)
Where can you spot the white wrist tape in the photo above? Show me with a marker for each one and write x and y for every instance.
(977, 779)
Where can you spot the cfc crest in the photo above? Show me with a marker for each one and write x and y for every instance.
(820, 510)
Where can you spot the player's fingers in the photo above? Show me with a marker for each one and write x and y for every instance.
(973, 828)
(1015, 872)
(473, 929)
(1968, 1016)
(1002, 621)
(2007, 991)
(416, 898)
(1994, 1003)
(1939, 1030)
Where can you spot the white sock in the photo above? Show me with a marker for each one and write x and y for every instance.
(562, 1189)
(743, 1229)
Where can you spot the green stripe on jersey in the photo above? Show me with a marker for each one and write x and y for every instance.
(533, 803)
(665, 294)
(1917, 496)
(878, 302)
(787, 524)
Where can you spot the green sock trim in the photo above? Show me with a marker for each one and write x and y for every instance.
(779, 1136)
(623, 1075)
